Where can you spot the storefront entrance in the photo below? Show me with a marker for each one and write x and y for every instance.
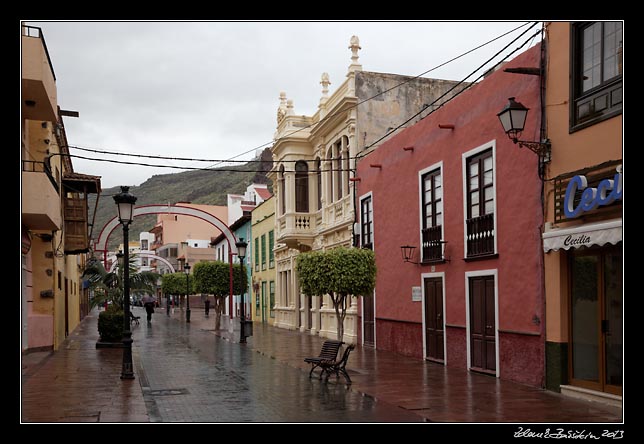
(596, 323)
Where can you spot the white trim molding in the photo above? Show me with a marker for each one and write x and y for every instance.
(466, 155)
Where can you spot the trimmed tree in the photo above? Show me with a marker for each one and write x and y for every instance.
(340, 273)
(213, 277)
(175, 284)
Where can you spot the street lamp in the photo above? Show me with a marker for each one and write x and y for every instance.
(186, 269)
(241, 252)
(125, 205)
(513, 118)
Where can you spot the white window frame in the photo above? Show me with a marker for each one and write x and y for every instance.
(466, 155)
(468, 274)
(436, 166)
(423, 276)
(369, 195)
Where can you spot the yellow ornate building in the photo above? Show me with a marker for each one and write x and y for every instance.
(262, 262)
(54, 208)
(313, 162)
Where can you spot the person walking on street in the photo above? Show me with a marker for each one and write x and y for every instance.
(149, 303)
(207, 303)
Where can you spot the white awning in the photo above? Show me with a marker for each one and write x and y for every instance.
(602, 233)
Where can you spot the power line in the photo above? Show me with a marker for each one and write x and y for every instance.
(223, 169)
(230, 160)
(379, 94)
(364, 153)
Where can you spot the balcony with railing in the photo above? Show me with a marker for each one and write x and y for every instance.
(39, 96)
(40, 197)
(480, 236)
(294, 229)
(432, 244)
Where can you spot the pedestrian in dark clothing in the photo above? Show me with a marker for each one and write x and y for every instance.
(149, 309)
(207, 306)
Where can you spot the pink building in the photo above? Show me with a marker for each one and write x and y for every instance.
(456, 188)
(178, 238)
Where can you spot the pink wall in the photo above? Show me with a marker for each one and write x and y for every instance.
(395, 189)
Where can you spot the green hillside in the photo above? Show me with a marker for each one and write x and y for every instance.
(200, 187)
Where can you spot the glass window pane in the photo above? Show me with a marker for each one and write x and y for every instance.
(438, 193)
(437, 180)
(428, 183)
(474, 183)
(487, 164)
(489, 206)
(475, 210)
(585, 323)
(474, 169)
(439, 219)
(487, 178)
(474, 197)
(439, 206)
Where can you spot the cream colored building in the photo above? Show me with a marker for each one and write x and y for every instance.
(54, 208)
(262, 262)
(313, 160)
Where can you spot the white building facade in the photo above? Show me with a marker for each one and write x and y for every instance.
(314, 160)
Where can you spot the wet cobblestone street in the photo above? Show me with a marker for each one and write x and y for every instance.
(191, 375)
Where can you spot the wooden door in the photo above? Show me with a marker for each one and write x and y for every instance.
(434, 330)
(369, 321)
(482, 325)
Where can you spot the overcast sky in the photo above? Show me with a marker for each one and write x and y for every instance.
(211, 89)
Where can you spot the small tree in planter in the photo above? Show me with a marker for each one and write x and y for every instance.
(213, 277)
(340, 273)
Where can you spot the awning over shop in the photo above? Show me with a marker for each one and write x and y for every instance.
(602, 233)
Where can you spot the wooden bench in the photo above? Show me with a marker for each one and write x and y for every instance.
(134, 318)
(329, 353)
(337, 367)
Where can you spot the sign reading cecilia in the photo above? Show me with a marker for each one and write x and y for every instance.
(607, 192)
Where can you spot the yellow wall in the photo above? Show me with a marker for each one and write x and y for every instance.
(263, 221)
(570, 152)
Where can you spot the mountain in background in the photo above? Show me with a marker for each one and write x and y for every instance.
(206, 187)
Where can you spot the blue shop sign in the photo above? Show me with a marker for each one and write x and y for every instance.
(607, 192)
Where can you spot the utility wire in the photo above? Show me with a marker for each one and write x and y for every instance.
(231, 159)
(455, 86)
(377, 95)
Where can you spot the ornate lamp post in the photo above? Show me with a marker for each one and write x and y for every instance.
(186, 269)
(125, 204)
(241, 252)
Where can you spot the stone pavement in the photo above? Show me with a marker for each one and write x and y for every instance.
(432, 391)
(79, 383)
(190, 373)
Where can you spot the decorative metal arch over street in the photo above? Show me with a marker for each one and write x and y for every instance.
(152, 256)
(101, 243)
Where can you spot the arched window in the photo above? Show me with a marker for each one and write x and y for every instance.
(282, 191)
(329, 163)
(318, 174)
(338, 170)
(345, 162)
(301, 187)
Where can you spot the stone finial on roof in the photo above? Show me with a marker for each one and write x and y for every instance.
(281, 109)
(325, 82)
(289, 107)
(354, 46)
